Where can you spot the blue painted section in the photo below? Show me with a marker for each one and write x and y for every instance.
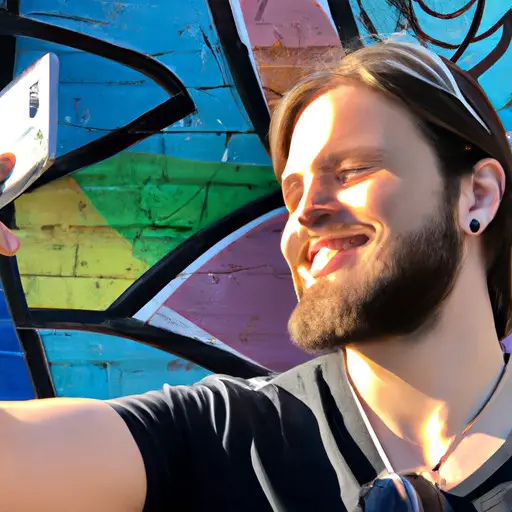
(97, 95)
(15, 383)
(99, 366)
(496, 81)
(242, 148)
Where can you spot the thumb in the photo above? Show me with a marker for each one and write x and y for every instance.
(9, 242)
(7, 163)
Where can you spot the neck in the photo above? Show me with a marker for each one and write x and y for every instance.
(431, 385)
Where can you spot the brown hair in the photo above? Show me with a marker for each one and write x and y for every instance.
(453, 112)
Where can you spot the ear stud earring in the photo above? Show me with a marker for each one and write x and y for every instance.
(474, 226)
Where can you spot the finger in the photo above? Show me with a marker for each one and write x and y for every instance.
(9, 242)
(7, 163)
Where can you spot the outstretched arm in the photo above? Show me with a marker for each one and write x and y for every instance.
(63, 454)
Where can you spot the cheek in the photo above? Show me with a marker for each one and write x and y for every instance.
(289, 240)
(399, 205)
(290, 248)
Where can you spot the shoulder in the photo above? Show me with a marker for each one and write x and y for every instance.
(298, 381)
(223, 424)
(212, 397)
(304, 381)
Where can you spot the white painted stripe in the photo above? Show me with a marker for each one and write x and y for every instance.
(441, 80)
(432, 56)
(172, 321)
(456, 94)
(243, 34)
(144, 314)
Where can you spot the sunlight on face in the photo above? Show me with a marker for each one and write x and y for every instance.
(347, 168)
(355, 196)
(306, 144)
(313, 131)
(311, 134)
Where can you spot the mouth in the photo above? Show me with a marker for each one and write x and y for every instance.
(328, 255)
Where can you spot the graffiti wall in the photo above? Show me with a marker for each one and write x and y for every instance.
(150, 251)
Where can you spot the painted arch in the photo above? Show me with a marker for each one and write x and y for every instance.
(151, 248)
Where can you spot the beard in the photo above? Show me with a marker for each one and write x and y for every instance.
(418, 273)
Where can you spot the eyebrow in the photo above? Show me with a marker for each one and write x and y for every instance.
(364, 154)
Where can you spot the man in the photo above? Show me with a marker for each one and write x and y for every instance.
(396, 174)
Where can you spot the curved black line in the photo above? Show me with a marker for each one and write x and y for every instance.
(35, 357)
(244, 75)
(343, 18)
(8, 53)
(446, 16)
(30, 342)
(37, 364)
(490, 59)
(490, 31)
(499, 50)
(14, 25)
(473, 29)
(407, 10)
(114, 320)
(367, 22)
(157, 277)
(209, 357)
(179, 106)
(461, 47)
(151, 122)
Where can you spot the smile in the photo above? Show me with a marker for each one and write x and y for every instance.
(328, 255)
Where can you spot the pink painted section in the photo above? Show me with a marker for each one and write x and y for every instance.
(244, 296)
(294, 23)
(289, 39)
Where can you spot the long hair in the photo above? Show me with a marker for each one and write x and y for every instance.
(453, 112)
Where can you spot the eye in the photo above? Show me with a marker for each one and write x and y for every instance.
(353, 175)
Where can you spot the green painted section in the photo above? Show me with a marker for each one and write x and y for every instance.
(156, 202)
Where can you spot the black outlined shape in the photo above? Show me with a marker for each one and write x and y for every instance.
(171, 111)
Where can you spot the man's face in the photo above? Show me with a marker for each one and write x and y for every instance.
(371, 239)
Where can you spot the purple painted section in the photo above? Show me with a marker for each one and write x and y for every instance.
(293, 23)
(507, 343)
(244, 296)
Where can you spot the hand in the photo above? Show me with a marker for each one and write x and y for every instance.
(9, 242)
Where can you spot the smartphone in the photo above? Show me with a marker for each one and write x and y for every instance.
(28, 127)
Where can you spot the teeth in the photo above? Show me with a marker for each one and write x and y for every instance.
(325, 254)
(321, 259)
(347, 244)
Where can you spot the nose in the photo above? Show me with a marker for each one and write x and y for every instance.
(319, 205)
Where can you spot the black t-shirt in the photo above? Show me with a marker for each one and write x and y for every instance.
(295, 442)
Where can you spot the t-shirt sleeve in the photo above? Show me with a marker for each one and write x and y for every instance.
(185, 434)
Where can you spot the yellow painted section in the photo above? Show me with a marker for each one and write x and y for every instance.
(73, 292)
(70, 257)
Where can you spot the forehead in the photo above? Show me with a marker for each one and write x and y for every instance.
(347, 119)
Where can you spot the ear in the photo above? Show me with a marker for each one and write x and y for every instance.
(481, 195)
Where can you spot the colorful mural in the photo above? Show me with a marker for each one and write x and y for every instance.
(151, 248)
